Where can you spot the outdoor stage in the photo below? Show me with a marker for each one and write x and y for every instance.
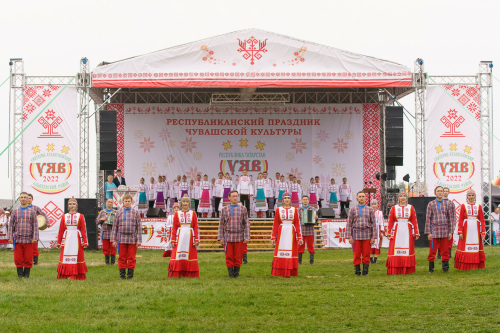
(252, 100)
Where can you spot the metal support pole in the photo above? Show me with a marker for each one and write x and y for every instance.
(485, 102)
(17, 82)
(83, 86)
(420, 84)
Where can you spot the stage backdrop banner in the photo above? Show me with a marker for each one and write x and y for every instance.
(453, 139)
(329, 141)
(50, 152)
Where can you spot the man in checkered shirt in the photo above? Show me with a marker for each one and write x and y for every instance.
(439, 227)
(127, 230)
(234, 232)
(23, 233)
(361, 229)
(307, 231)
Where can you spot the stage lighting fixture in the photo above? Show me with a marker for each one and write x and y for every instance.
(384, 176)
(108, 96)
(491, 65)
(420, 62)
(406, 178)
(11, 63)
(84, 61)
(393, 96)
(377, 176)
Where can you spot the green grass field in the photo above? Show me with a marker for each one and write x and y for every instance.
(325, 297)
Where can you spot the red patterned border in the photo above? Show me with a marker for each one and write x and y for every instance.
(371, 146)
(120, 135)
(203, 109)
(158, 76)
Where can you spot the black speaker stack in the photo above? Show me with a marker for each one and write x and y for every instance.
(88, 208)
(420, 205)
(394, 136)
(107, 140)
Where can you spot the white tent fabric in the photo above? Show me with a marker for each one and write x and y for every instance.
(252, 58)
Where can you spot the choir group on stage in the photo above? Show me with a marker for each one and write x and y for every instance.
(292, 231)
(259, 196)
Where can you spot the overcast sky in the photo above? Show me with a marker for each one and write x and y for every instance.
(51, 36)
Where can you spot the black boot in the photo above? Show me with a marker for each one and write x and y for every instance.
(431, 267)
(439, 254)
(231, 272)
(20, 272)
(130, 273)
(365, 269)
(122, 274)
(106, 260)
(372, 260)
(357, 270)
(300, 258)
(245, 258)
(236, 271)
(26, 273)
(311, 258)
(446, 266)
(112, 260)
(450, 254)
(35, 260)
(375, 260)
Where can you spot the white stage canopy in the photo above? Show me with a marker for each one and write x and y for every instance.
(252, 58)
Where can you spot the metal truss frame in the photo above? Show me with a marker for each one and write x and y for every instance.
(83, 85)
(152, 97)
(482, 80)
(485, 105)
(19, 80)
(17, 83)
(420, 84)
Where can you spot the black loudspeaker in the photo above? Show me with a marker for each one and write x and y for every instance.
(394, 135)
(88, 208)
(326, 213)
(420, 205)
(391, 172)
(107, 140)
(156, 212)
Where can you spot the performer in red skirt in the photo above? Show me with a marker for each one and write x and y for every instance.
(168, 226)
(185, 239)
(471, 233)
(402, 232)
(379, 217)
(286, 232)
(72, 239)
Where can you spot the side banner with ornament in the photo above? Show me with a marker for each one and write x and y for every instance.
(453, 139)
(50, 152)
(335, 237)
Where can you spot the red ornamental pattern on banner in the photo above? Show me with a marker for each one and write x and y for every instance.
(120, 135)
(187, 75)
(33, 98)
(371, 146)
(468, 96)
(205, 109)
